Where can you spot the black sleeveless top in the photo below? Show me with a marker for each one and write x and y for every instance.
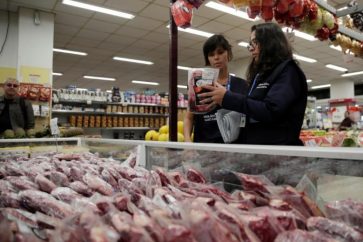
(205, 125)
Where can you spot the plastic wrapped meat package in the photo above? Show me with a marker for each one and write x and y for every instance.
(197, 78)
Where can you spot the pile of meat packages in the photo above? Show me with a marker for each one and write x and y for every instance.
(76, 198)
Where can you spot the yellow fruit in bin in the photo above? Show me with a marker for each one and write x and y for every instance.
(192, 136)
(155, 136)
(180, 127)
(180, 137)
(149, 134)
(164, 129)
(164, 137)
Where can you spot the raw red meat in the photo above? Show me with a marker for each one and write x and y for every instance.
(195, 176)
(44, 183)
(338, 230)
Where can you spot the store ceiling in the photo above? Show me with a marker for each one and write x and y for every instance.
(146, 37)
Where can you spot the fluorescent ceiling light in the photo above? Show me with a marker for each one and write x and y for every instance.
(309, 80)
(353, 73)
(232, 74)
(72, 52)
(320, 86)
(57, 74)
(343, 8)
(303, 58)
(99, 78)
(334, 67)
(182, 86)
(145, 83)
(318, 107)
(184, 68)
(194, 31)
(133, 60)
(243, 44)
(232, 11)
(338, 48)
(98, 9)
(300, 34)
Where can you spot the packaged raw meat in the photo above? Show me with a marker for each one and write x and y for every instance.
(197, 78)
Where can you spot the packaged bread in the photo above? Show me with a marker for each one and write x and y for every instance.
(120, 121)
(115, 121)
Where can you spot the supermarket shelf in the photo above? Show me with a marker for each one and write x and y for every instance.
(111, 103)
(119, 128)
(105, 113)
(352, 9)
(354, 34)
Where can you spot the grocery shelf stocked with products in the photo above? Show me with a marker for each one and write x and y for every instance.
(109, 188)
(99, 113)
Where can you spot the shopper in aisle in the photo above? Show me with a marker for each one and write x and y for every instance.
(217, 53)
(15, 111)
(277, 96)
(347, 122)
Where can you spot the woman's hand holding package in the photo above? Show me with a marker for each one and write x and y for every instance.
(214, 95)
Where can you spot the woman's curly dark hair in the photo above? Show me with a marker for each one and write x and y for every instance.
(274, 49)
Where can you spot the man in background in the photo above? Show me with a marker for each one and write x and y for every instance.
(15, 111)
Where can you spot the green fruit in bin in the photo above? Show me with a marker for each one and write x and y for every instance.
(9, 134)
(349, 142)
(30, 133)
(19, 133)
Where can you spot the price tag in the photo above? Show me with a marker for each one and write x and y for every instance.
(54, 126)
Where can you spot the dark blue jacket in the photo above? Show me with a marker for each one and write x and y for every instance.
(205, 125)
(275, 107)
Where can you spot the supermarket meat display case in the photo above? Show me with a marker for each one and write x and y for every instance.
(215, 173)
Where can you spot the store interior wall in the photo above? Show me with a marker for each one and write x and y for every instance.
(9, 55)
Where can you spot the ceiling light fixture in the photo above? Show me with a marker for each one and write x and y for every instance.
(98, 9)
(182, 86)
(100, 78)
(145, 83)
(72, 52)
(132, 60)
(232, 74)
(232, 11)
(353, 74)
(303, 58)
(186, 68)
(309, 80)
(194, 31)
(243, 44)
(57, 74)
(321, 86)
(299, 34)
(337, 68)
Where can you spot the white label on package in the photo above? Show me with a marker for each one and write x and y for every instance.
(54, 126)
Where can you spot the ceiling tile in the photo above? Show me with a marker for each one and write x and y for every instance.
(65, 29)
(156, 12)
(101, 26)
(110, 18)
(38, 4)
(121, 40)
(85, 42)
(70, 20)
(132, 32)
(131, 7)
(92, 35)
(145, 23)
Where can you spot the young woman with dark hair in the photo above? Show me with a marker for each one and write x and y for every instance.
(217, 53)
(276, 100)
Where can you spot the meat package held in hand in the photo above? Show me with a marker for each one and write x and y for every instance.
(338, 230)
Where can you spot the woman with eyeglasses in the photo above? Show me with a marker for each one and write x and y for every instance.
(276, 100)
(217, 53)
(15, 112)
